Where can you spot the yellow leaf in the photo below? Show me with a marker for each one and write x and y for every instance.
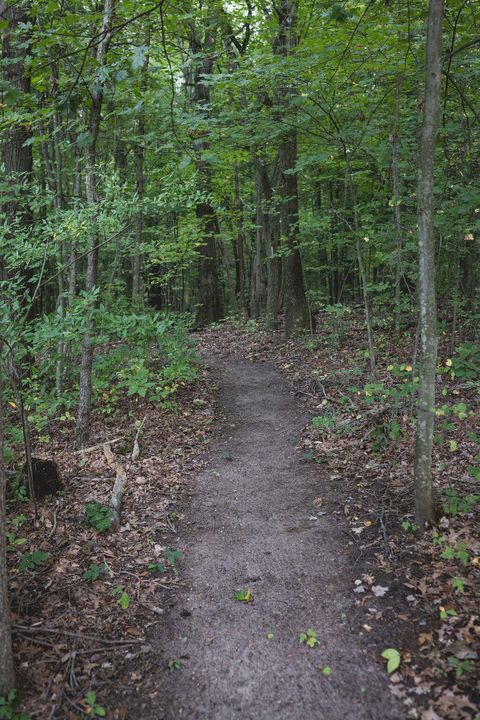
(248, 596)
(367, 523)
(408, 368)
(448, 363)
(12, 404)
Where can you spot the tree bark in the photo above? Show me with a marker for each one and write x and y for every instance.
(210, 304)
(426, 280)
(139, 152)
(86, 360)
(297, 313)
(239, 247)
(7, 677)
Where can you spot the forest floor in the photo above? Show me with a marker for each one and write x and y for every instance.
(247, 523)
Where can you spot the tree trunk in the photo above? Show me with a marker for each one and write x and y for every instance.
(297, 313)
(210, 305)
(16, 150)
(239, 248)
(269, 229)
(86, 360)
(6, 658)
(426, 277)
(396, 209)
(139, 151)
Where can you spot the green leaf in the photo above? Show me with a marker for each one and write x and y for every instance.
(393, 659)
(327, 670)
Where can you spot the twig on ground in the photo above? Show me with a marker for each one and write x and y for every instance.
(67, 633)
(54, 526)
(90, 449)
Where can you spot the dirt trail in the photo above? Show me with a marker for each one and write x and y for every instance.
(250, 526)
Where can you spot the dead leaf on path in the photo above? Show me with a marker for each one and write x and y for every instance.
(379, 590)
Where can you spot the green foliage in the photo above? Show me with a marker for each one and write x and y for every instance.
(456, 552)
(33, 560)
(309, 638)
(9, 705)
(454, 504)
(460, 666)
(466, 365)
(393, 658)
(93, 708)
(98, 516)
(94, 572)
(325, 423)
(172, 556)
(458, 584)
(123, 598)
(174, 665)
(244, 596)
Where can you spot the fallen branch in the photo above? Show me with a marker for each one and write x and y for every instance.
(80, 636)
(136, 446)
(120, 481)
(83, 451)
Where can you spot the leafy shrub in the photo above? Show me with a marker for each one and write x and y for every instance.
(98, 516)
(454, 504)
(32, 561)
(466, 365)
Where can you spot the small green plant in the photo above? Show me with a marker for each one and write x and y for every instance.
(32, 561)
(460, 666)
(156, 567)
(454, 504)
(466, 365)
(309, 638)
(8, 707)
(98, 516)
(445, 613)
(327, 670)
(474, 472)
(93, 709)
(457, 552)
(408, 526)
(325, 423)
(393, 658)
(458, 584)
(172, 556)
(227, 455)
(175, 665)
(94, 572)
(123, 598)
(243, 596)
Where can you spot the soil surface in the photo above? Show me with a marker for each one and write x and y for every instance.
(256, 522)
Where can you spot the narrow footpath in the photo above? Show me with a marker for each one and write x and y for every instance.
(253, 525)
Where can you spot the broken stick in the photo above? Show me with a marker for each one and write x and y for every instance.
(120, 481)
(136, 445)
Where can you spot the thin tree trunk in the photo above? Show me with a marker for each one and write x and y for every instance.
(210, 305)
(140, 183)
(361, 266)
(297, 313)
(7, 677)
(239, 247)
(426, 279)
(396, 209)
(86, 359)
